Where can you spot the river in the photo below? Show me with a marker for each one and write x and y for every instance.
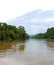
(27, 52)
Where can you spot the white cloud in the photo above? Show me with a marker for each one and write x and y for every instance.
(34, 20)
(50, 19)
(38, 29)
(10, 9)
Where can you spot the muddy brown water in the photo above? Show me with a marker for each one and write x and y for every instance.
(27, 52)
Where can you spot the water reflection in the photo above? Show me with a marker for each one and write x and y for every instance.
(7, 47)
(19, 45)
(21, 48)
(50, 44)
(13, 45)
(4, 46)
(27, 52)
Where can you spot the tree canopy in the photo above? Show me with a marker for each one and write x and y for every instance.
(48, 35)
(10, 32)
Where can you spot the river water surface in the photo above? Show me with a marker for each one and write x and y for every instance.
(27, 52)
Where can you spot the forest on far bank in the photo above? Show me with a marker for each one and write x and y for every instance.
(47, 35)
(10, 32)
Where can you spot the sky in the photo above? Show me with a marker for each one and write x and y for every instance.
(35, 15)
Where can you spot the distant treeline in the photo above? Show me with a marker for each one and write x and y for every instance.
(10, 32)
(48, 35)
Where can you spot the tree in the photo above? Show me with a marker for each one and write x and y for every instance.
(22, 33)
(11, 32)
(40, 36)
(50, 33)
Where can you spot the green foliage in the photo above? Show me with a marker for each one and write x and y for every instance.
(48, 35)
(10, 32)
(22, 33)
(40, 36)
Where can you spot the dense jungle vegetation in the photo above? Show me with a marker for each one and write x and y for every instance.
(48, 35)
(10, 32)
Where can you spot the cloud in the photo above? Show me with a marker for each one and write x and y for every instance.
(50, 19)
(37, 21)
(10, 9)
(35, 15)
(38, 29)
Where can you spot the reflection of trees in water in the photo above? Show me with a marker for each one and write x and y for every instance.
(11, 47)
(21, 47)
(50, 43)
(5, 45)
